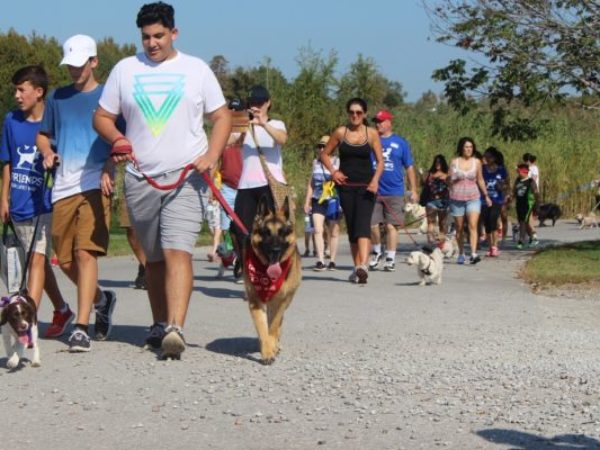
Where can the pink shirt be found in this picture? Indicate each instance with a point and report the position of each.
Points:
(464, 186)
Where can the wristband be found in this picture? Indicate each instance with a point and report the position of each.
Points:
(118, 138)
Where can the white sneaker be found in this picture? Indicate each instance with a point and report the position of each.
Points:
(375, 260)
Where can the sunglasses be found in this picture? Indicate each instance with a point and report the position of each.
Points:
(355, 112)
(320, 146)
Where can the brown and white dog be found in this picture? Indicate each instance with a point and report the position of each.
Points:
(19, 325)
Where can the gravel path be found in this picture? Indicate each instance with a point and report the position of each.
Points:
(477, 363)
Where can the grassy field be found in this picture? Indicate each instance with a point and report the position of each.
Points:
(575, 263)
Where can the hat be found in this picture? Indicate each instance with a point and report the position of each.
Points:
(383, 114)
(324, 140)
(235, 104)
(258, 94)
(77, 50)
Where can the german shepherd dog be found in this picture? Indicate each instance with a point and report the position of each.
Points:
(272, 273)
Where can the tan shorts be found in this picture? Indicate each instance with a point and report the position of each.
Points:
(80, 222)
(25, 230)
(124, 220)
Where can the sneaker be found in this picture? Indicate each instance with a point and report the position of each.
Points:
(375, 260)
(353, 278)
(460, 259)
(319, 267)
(140, 280)
(79, 341)
(173, 343)
(156, 335)
(475, 259)
(520, 245)
(331, 266)
(362, 274)
(389, 265)
(306, 254)
(533, 242)
(60, 322)
(104, 316)
(237, 268)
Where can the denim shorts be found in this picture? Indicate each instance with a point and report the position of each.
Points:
(459, 208)
(439, 204)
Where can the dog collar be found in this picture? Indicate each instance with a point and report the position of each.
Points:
(265, 286)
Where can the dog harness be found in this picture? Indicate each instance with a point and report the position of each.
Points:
(24, 338)
(426, 271)
(267, 280)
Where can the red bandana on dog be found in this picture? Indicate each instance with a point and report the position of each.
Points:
(266, 280)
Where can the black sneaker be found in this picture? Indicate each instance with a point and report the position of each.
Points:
(173, 343)
(375, 260)
(155, 337)
(319, 267)
(475, 259)
(361, 275)
(331, 266)
(79, 341)
(389, 265)
(140, 280)
(104, 316)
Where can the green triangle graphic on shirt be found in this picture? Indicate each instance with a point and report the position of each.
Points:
(157, 96)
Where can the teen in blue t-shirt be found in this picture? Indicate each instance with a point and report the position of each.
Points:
(25, 198)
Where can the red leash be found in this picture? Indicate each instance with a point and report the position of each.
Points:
(126, 150)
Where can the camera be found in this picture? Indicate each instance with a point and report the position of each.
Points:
(250, 116)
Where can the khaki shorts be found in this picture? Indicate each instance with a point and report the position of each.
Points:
(124, 220)
(80, 222)
(25, 229)
(382, 213)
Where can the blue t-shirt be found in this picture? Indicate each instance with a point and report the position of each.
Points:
(493, 182)
(396, 158)
(27, 196)
(68, 121)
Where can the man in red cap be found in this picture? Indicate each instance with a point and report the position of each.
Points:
(397, 159)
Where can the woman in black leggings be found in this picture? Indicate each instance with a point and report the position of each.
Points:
(357, 180)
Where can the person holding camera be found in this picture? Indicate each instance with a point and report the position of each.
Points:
(268, 134)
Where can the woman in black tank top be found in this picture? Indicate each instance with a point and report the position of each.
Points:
(357, 180)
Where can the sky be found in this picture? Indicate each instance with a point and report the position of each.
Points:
(395, 33)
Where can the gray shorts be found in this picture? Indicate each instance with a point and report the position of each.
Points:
(166, 219)
(382, 213)
(43, 236)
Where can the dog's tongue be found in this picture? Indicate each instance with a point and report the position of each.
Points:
(274, 271)
(24, 339)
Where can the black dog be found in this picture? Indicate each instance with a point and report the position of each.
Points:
(548, 211)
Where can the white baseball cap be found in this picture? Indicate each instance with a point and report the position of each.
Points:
(77, 50)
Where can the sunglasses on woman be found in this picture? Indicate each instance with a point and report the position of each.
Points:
(355, 112)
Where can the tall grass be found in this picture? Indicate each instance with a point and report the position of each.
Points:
(567, 150)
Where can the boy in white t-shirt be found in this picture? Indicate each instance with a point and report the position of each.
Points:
(163, 95)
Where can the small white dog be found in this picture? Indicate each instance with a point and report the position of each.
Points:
(429, 267)
(587, 221)
(449, 248)
(418, 212)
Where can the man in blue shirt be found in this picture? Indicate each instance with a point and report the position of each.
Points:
(397, 159)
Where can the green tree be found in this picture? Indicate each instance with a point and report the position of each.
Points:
(534, 52)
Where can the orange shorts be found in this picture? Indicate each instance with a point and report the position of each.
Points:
(80, 222)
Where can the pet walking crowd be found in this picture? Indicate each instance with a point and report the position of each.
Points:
(78, 134)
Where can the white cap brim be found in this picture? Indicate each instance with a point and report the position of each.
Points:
(75, 59)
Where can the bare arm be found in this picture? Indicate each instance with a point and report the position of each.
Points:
(481, 184)
(221, 119)
(105, 125)
(336, 175)
(376, 145)
(260, 119)
(4, 208)
(309, 193)
(412, 181)
(42, 142)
